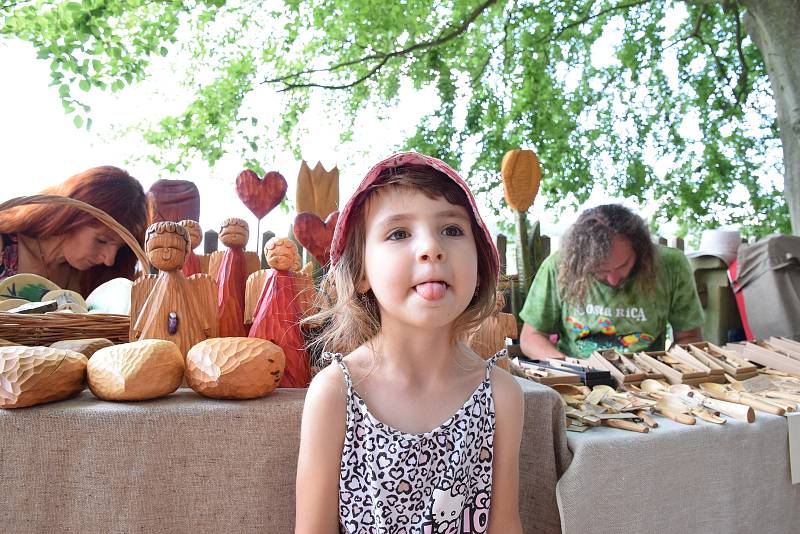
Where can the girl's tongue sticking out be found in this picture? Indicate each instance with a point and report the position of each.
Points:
(431, 290)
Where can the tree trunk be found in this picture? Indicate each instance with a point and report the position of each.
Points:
(774, 26)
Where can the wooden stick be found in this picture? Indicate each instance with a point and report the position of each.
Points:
(626, 425)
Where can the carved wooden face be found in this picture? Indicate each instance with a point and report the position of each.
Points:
(282, 254)
(234, 233)
(195, 232)
(167, 249)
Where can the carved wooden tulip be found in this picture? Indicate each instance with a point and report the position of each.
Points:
(234, 367)
(317, 190)
(140, 370)
(87, 347)
(35, 375)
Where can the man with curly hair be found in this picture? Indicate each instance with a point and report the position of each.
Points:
(610, 287)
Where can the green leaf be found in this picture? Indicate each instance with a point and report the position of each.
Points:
(77, 121)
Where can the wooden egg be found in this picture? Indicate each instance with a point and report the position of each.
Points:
(140, 370)
(87, 347)
(234, 367)
(35, 375)
(521, 175)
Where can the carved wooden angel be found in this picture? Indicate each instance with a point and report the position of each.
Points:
(277, 299)
(169, 305)
(490, 336)
(230, 270)
(192, 264)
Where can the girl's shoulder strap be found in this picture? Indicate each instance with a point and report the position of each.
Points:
(337, 357)
(491, 362)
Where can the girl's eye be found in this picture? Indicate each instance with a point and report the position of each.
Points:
(452, 231)
(397, 235)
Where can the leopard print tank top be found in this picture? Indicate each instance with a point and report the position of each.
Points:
(432, 483)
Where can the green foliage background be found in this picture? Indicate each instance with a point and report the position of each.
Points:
(680, 113)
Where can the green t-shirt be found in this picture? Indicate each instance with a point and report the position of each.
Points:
(623, 318)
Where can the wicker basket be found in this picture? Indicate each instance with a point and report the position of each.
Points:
(44, 329)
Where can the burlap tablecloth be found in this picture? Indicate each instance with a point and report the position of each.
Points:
(709, 479)
(185, 463)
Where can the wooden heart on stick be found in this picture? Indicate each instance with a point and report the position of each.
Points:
(315, 235)
(260, 195)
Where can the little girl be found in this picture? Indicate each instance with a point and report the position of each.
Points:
(410, 432)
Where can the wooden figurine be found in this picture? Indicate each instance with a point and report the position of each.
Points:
(230, 269)
(140, 370)
(192, 264)
(284, 297)
(234, 367)
(233, 228)
(35, 375)
(168, 305)
(490, 336)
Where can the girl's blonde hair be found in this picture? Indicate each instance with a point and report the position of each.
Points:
(349, 318)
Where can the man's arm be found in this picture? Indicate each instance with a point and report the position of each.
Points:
(536, 345)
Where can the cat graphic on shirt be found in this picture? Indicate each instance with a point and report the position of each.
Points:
(446, 509)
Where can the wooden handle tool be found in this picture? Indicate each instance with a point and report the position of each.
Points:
(649, 421)
(626, 425)
(731, 409)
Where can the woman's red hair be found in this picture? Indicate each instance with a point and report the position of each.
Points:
(108, 188)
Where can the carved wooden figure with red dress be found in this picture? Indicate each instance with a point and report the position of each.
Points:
(277, 299)
(192, 264)
(230, 269)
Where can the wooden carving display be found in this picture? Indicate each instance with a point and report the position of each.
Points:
(317, 190)
(168, 305)
(140, 370)
(230, 270)
(174, 200)
(316, 236)
(87, 347)
(490, 336)
(192, 263)
(281, 304)
(521, 175)
(35, 375)
(234, 367)
(260, 195)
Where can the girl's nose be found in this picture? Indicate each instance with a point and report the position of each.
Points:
(431, 251)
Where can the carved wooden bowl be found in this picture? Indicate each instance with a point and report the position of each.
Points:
(140, 370)
(35, 375)
(234, 367)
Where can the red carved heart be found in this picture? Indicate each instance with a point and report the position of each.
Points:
(260, 195)
(315, 235)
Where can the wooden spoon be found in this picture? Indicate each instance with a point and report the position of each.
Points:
(674, 409)
(727, 393)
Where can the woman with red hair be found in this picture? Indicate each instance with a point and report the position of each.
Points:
(70, 247)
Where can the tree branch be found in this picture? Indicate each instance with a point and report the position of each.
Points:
(382, 57)
(588, 16)
(741, 84)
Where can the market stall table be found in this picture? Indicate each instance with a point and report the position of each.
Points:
(185, 463)
(731, 478)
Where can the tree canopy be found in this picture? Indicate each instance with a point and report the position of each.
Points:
(662, 101)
